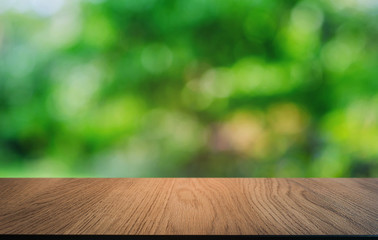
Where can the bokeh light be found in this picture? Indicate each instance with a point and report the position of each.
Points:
(248, 88)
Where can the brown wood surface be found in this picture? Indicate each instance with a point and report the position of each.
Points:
(189, 206)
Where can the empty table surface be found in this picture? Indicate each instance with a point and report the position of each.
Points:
(165, 206)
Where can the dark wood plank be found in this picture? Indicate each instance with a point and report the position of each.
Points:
(246, 206)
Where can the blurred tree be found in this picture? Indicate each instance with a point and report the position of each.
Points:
(188, 88)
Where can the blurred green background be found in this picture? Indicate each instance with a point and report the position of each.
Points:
(199, 88)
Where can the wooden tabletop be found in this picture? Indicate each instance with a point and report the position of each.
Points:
(227, 206)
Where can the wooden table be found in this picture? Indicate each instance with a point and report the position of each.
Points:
(226, 206)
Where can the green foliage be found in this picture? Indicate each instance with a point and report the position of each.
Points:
(215, 88)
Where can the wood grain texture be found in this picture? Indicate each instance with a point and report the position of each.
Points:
(247, 206)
